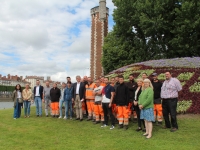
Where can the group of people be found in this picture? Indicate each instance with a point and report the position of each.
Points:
(147, 99)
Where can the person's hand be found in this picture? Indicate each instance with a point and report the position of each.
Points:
(140, 106)
(135, 103)
(110, 105)
(126, 107)
(43, 100)
(72, 100)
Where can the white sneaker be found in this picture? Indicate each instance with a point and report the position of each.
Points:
(59, 117)
(112, 127)
(14, 118)
(64, 117)
(103, 126)
(70, 118)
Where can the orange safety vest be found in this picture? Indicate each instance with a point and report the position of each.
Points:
(103, 84)
(89, 91)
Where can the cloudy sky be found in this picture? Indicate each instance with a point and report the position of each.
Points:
(46, 37)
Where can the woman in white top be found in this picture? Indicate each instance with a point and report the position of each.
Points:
(138, 90)
(18, 102)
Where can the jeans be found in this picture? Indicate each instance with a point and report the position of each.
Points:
(17, 110)
(169, 107)
(60, 106)
(38, 104)
(68, 105)
(27, 110)
(108, 110)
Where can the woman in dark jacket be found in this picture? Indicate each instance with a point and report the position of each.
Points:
(138, 90)
(55, 96)
(18, 102)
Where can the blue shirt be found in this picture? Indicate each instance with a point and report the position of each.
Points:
(107, 91)
(68, 95)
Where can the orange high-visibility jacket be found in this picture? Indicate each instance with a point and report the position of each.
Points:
(89, 91)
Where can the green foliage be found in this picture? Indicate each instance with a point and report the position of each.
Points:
(183, 83)
(185, 76)
(111, 75)
(195, 87)
(148, 72)
(161, 76)
(8, 88)
(146, 30)
(126, 74)
(183, 106)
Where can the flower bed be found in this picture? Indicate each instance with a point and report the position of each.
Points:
(187, 70)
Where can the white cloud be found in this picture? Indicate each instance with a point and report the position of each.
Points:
(49, 37)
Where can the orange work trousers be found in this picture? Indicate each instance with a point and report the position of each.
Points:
(123, 115)
(158, 112)
(98, 111)
(114, 110)
(55, 108)
(90, 108)
(129, 110)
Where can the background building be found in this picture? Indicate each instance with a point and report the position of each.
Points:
(99, 29)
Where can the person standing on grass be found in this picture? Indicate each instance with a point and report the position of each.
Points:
(55, 96)
(146, 106)
(84, 105)
(106, 102)
(62, 100)
(97, 105)
(79, 97)
(114, 106)
(38, 96)
(144, 76)
(138, 90)
(131, 86)
(169, 95)
(122, 102)
(68, 98)
(47, 98)
(157, 99)
(89, 96)
(18, 102)
(102, 81)
(27, 94)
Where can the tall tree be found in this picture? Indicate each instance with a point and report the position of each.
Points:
(152, 29)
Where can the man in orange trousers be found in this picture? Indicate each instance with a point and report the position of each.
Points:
(89, 96)
(122, 101)
(97, 105)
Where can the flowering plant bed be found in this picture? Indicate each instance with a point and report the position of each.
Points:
(187, 70)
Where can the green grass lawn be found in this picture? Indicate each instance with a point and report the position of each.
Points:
(51, 133)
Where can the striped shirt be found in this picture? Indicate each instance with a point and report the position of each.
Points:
(170, 88)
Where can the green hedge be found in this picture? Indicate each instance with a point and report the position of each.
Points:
(7, 88)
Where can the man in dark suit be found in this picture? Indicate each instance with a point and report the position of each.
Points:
(78, 97)
(38, 96)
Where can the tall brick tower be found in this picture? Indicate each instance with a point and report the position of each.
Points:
(99, 29)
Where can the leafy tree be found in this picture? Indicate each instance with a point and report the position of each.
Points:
(152, 29)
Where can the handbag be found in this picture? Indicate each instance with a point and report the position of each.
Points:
(20, 100)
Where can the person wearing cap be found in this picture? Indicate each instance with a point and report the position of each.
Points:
(157, 99)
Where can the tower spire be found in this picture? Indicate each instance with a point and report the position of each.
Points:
(102, 9)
